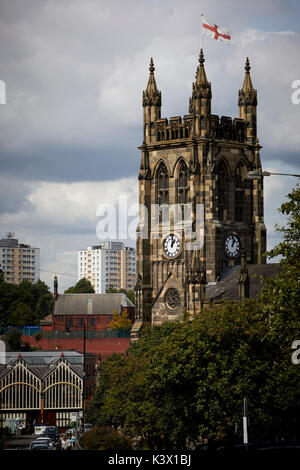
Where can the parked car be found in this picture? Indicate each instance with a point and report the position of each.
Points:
(45, 439)
(35, 445)
(87, 426)
(52, 432)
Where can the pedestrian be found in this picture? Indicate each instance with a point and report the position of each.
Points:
(73, 439)
(58, 445)
(64, 443)
(69, 443)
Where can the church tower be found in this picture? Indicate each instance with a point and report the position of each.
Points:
(198, 209)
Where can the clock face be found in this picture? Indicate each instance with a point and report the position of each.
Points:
(232, 246)
(171, 246)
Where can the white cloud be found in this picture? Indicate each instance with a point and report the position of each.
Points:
(61, 219)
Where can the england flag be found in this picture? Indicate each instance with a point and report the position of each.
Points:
(215, 31)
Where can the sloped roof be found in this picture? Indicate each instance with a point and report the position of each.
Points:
(228, 286)
(90, 304)
(40, 362)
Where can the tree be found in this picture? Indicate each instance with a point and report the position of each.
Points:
(120, 321)
(83, 286)
(21, 315)
(188, 379)
(101, 438)
(280, 295)
(14, 340)
(289, 248)
(25, 303)
(129, 293)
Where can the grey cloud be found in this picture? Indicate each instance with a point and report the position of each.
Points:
(13, 196)
(75, 71)
(62, 57)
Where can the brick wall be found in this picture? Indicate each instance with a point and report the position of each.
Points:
(103, 346)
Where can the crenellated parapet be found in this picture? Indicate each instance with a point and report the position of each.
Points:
(178, 128)
(174, 129)
(226, 128)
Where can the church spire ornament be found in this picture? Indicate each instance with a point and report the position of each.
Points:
(151, 105)
(200, 102)
(247, 104)
(151, 96)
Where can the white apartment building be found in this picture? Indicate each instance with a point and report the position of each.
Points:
(18, 261)
(110, 264)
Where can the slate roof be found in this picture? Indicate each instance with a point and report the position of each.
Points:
(39, 362)
(227, 288)
(42, 358)
(90, 304)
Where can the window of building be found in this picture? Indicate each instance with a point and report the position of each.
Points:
(222, 188)
(162, 177)
(182, 183)
(240, 186)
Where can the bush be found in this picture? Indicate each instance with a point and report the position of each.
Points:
(14, 340)
(100, 438)
(38, 335)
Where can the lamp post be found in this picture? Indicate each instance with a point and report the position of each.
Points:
(257, 174)
(245, 423)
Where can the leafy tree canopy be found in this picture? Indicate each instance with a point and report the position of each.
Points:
(189, 379)
(105, 439)
(24, 303)
(83, 286)
(120, 321)
(129, 292)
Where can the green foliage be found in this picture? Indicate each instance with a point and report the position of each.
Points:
(111, 290)
(189, 379)
(25, 303)
(83, 286)
(15, 343)
(289, 248)
(14, 340)
(105, 438)
(38, 335)
(129, 293)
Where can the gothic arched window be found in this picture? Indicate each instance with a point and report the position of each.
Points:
(222, 185)
(240, 186)
(182, 183)
(162, 184)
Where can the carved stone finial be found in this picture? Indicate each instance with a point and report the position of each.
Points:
(151, 66)
(201, 57)
(247, 65)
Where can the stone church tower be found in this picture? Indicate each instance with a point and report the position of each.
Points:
(199, 162)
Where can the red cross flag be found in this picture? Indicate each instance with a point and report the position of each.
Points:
(215, 32)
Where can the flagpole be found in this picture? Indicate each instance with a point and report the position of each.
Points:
(202, 31)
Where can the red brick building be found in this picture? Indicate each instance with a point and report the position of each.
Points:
(64, 329)
(95, 311)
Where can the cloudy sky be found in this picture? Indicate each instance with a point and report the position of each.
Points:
(74, 72)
